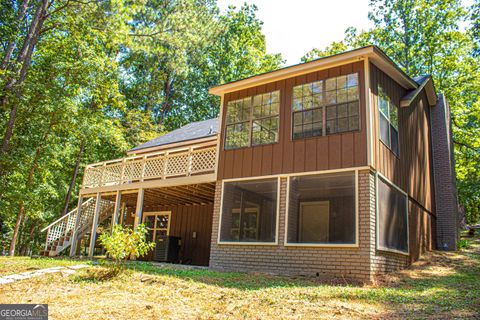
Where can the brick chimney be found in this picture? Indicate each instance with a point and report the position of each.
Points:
(446, 203)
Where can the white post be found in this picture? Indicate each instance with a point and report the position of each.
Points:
(139, 208)
(93, 234)
(73, 243)
(116, 211)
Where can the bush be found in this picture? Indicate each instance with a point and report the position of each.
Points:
(463, 244)
(125, 242)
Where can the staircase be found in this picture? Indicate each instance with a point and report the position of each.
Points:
(60, 232)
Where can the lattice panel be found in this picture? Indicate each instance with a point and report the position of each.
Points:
(154, 167)
(133, 170)
(112, 174)
(203, 160)
(177, 164)
(93, 177)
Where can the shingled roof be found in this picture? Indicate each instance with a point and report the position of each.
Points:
(191, 131)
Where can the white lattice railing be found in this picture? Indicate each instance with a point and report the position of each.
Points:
(159, 165)
(65, 225)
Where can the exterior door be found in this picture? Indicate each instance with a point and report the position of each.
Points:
(314, 221)
(157, 223)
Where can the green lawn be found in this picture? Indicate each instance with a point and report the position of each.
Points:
(446, 285)
(11, 265)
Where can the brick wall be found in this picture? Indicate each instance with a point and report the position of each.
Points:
(446, 205)
(353, 263)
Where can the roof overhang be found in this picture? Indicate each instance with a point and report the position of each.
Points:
(374, 54)
(429, 87)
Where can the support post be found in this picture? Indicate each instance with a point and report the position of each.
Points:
(116, 211)
(139, 208)
(73, 243)
(93, 234)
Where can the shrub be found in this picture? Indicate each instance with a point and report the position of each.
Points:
(463, 244)
(125, 242)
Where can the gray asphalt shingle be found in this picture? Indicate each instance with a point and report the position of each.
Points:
(191, 131)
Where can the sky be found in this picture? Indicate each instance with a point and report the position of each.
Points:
(294, 27)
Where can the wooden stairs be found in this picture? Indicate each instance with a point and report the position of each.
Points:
(60, 232)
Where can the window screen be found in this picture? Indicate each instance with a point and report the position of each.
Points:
(249, 211)
(392, 221)
(388, 118)
(326, 107)
(321, 209)
(252, 120)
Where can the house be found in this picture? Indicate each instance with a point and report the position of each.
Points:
(342, 166)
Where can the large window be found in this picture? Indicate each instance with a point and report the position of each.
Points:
(392, 221)
(252, 121)
(249, 211)
(388, 121)
(326, 107)
(321, 209)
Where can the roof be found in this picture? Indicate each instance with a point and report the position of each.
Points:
(424, 82)
(373, 53)
(191, 131)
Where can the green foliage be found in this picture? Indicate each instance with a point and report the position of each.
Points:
(109, 75)
(425, 37)
(123, 243)
(464, 244)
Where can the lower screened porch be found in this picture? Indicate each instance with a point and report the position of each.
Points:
(178, 220)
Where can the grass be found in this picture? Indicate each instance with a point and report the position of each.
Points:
(442, 285)
(11, 265)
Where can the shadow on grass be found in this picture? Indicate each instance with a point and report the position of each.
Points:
(440, 284)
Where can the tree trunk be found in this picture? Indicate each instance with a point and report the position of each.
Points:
(28, 184)
(11, 44)
(24, 58)
(11, 252)
(74, 178)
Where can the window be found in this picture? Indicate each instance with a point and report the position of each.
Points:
(326, 107)
(392, 224)
(388, 121)
(249, 211)
(322, 209)
(252, 121)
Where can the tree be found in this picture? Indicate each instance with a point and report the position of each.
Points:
(423, 37)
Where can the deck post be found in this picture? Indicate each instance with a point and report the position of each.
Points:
(139, 208)
(73, 243)
(93, 234)
(116, 211)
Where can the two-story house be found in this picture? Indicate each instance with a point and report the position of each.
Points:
(342, 166)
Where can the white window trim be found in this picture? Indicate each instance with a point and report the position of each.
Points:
(324, 245)
(378, 175)
(250, 243)
(380, 113)
(250, 121)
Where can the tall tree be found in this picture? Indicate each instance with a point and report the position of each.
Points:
(424, 37)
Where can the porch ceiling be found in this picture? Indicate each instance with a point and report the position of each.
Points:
(180, 195)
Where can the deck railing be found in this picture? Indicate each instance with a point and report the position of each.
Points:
(158, 165)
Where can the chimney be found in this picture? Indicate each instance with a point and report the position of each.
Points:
(446, 203)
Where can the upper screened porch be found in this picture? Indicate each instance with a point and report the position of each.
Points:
(183, 156)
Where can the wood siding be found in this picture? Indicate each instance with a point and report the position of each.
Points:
(411, 171)
(184, 221)
(334, 151)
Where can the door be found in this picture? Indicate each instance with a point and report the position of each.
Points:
(314, 221)
(157, 223)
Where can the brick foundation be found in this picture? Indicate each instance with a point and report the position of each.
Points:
(360, 263)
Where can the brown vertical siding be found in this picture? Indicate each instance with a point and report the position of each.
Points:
(184, 221)
(288, 156)
(411, 171)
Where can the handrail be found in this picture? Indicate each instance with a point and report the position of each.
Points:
(157, 165)
(140, 156)
(64, 216)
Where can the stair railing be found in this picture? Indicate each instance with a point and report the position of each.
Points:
(63, 225)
